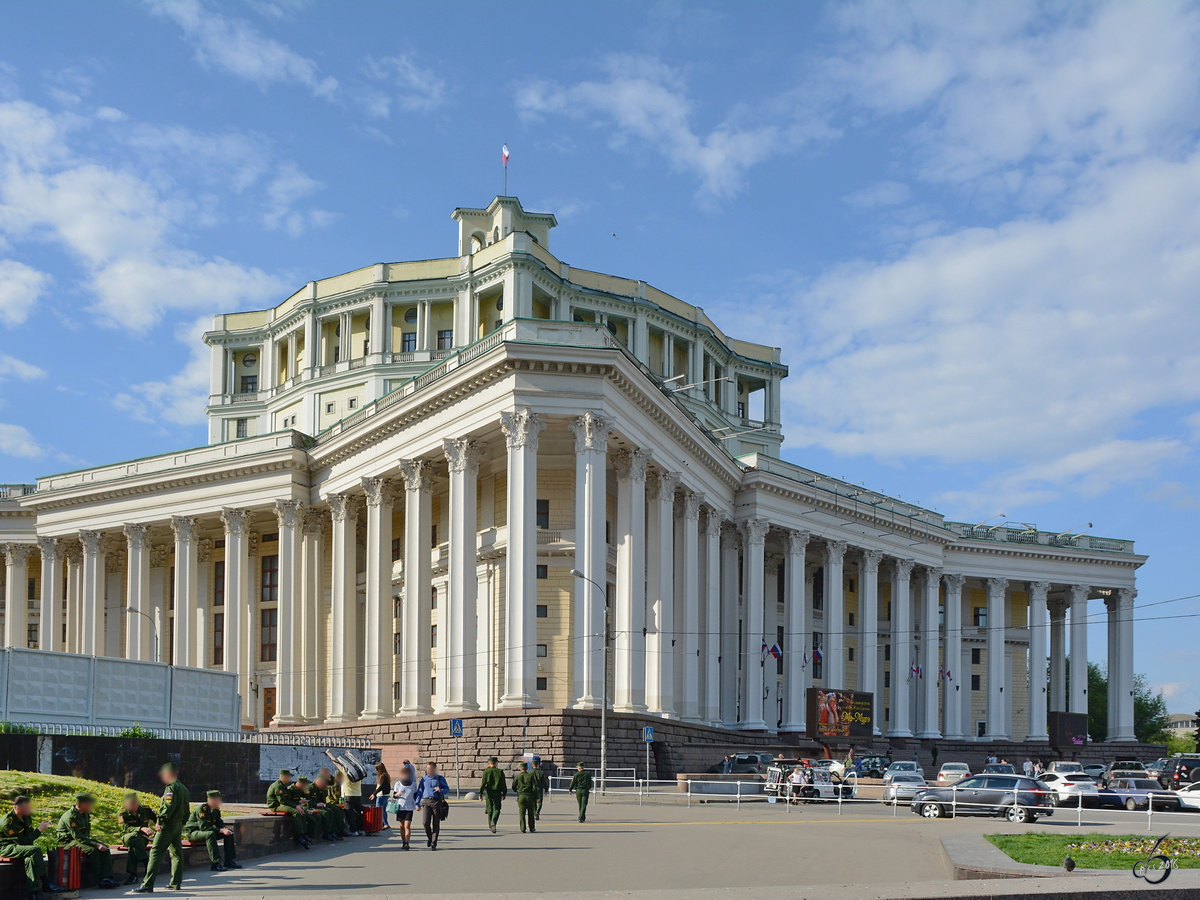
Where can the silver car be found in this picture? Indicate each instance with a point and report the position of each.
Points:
(903, 787)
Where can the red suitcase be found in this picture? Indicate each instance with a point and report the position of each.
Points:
(66, 868)
(373, 819)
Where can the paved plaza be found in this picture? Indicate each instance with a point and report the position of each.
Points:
(659, 850)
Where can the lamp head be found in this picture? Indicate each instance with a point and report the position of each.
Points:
(130, 609)
(576, 573)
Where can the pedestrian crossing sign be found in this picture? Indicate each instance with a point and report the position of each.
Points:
(456, 728)
(648, 734)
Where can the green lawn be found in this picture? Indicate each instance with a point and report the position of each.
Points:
(1094, 851)
(52, 795)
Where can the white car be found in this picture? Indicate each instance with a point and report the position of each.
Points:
(1069, 788)
(952, 772)
(1062, 767)
(902, 767)
(1189, 796)
(830, 765)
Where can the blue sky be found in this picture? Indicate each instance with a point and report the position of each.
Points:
(974, 229)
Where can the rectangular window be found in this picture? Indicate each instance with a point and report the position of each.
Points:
(269, 583)
(241, 428)
(887, 678)
(979, 616)
(397, 608)
(171, 641)
(887, 714)
(941, 615)
(433, 597)
(269, 638)
(887, 652)
(976, 656)
(219, 583)
(268, 705)
(850, 654)
(171, 588)
(395, 692)
(433, 537)
(779, 643)
(249, 384)
(218, 656)
(741, 409)
(818, 664)
(541, 684)
(888, 610)
(408, 342)
(980, 728)
(395, 549)
(543, 611)
(850, 618)
(541, 650)
(608, 532)
(543, 514)
(433, 686)
(975, 683)
(270, 537)
(397, 644)
(31, 637)
(445, 339)
(819, 589)
(32, 589)
(329, 407)
(432, 635)
(352, 403)
(850, 588)
(543, 571)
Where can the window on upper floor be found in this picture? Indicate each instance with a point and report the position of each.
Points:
(269, 579)
(241, 428)
(543, 514)
(887, 678)
(352, 403)
(268, 639)
(31, 589)
(433, 636)
(979, 616)
(31, 636)
(218, 654)
(408, 342)
(433, 597)
(410, 315)
(395, 549)
(975, 682)
(329, 408)
(219, 583)
(542, 611)
(542, 572)
(818, 593)
(976, 656)
(445, 338)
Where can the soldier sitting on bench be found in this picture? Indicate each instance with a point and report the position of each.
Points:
(206, 826)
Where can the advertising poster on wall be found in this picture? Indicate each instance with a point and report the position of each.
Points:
(839, 714)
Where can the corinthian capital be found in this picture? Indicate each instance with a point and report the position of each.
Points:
(692, 501)
(869, 563)
(91, 542)
(1038, 590)
(184, 528)
(378, 491)
(904, 568)
(342, 506)
(954, 584)
(16, 554)
(235, 520)
(463, 454)
(521, 428)
(835, 551)
(417, 474)
(137, 536)
(754, 531)
(288, 512)
(661, 485)
(631, 465)
(591, 432)
(49, 548)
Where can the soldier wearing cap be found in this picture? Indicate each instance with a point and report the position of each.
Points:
(168, 837)
(320, 797)
(493, 789)
(17, 836)
(543, 782)
(205, 824)
(137, 830)
(318, 819)
(284, 796)
(581, 786)
(75, 830)
(526, 788)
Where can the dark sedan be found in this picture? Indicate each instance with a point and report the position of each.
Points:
(1019, 799)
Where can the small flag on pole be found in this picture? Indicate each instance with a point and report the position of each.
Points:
(949, 677)
(816, 655)
(504, 154)
(775, 651)
(504, 163)
(912, 671)
(765, 650)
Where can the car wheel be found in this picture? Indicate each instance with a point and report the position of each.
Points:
(1131, 805)
(1018, 815)
(931, 811)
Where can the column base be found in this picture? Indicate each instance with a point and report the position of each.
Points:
(461, 707)
(286, 720)
(631, 708)
(666, 715)
(415, 711)
(525, 701)
(929, 735)
(900, 733)
(753, 725)
(368, 714)
(793, 728)
(586, 703)
(961, 737)
(1122, 739)
(1037, 737)
(996, 737)
(340, 720)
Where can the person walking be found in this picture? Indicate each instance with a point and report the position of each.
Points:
(168, 838)
(525, 785)
(727, 765)
(383, 790)
(75, 830)
(137, 831)
(432, 791)
(543, 783)
(493, 789)
(17, 837)
(581, 786)
(934, 753)
(404, 795)
(205, 826)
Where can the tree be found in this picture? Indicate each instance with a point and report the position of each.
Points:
(1149, 709)
(1097, 696)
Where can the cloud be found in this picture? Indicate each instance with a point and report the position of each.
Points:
(20, 288)
(181, 398)
(16, 440)
(413, 88)
(11, 367)
(882, 193)
(287, 187)
(240, 49)
(1172, 689)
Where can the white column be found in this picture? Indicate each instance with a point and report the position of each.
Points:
(156, 602)
(16, 561)
(343, 618)
(289, 513)
(462, 636)
(796, 638)
(185, 588)
(689, 580)
(1058, 654)
(378, 327)
(377, 649)
(312, 620)
(138, 644)
(902, 648)
(868, 632)
(997, 592)
(955, 678)
(1123, 730)
(74, 604)
(521, 431)
(730, 651)
(416, 688)
(835, 616)
(1078, 594)
(51, 620)
(1038, 684)
(710, 535)
(91, 620)
(202, 617)
(660, 582)
(930, 591)
(591, 432)
(754, 535)
(237, 603)
(629, 620)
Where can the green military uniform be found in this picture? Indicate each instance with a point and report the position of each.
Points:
(137, 844)
(205, 824)
(581, 785)
(543, 781)
(17, 835)
(493, 789)
(334, 815)
(75, 830)
(172, 816)
(286, 798)
(525, 784)
(319, 823)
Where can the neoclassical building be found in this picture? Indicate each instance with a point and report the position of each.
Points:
(407, 461)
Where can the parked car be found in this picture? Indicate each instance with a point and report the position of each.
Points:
(1137, 793)
(1069, 788)
(1180, 770)
(1189, 797)
(1155, 769)
(746, 763)
(1094, 771)
(874, 766)
(953, 771)
(833, 765)
(1018, 798)
(1124, 768)
(999, 769)
(1060, 765)
(902, 787)
(902, 767)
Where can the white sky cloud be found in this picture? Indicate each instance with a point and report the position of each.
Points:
(181, 398)
(11, 367)
(20, 288)
(15, 440)
(409, 86)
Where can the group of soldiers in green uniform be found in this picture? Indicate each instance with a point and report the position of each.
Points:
(531, 787)
(311, 804)
(148, 836)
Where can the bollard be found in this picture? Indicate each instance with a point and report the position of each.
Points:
(689, 785)
(739, 795)
(1079, 813)
(1149, 813)
(895, 803)
(839, 798)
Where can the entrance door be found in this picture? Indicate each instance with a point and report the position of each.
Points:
(268, 705)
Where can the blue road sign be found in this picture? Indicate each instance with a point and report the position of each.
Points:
(456, 728)
(648, 734)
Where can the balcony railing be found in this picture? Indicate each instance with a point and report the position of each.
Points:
(14, 491)
(1031, 535)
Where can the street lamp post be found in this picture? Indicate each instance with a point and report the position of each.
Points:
(604, 682)
(153, 625)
